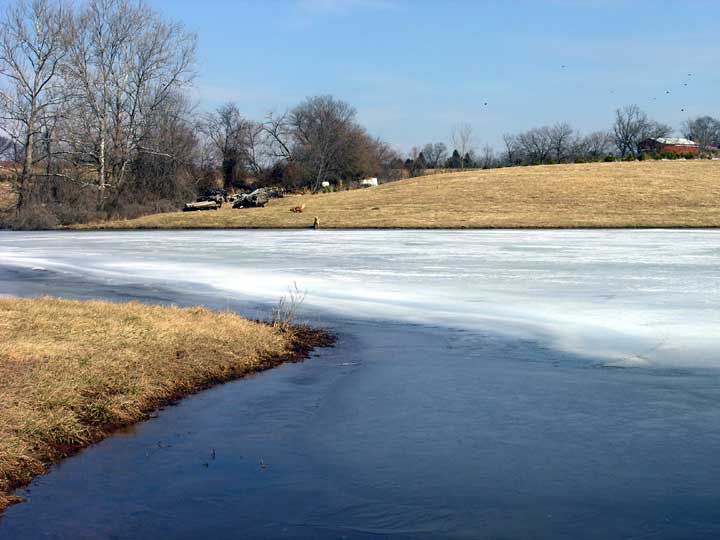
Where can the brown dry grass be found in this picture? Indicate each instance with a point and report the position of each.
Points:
(72, 371)
(635, 194)
(7, 197)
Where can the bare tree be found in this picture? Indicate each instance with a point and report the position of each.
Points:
(512, 149)
(279, 135)
(33, 44)
(487, 158)
(704, 130)
(462, 140)
(225, 129)
(124, 63)
(632, 126)
(166, 173)
(434, 154)
(628, 128)
(557, 143)
(381, 159)
(8, 149)
(535, 145)
(323, 129)
(256, 154)
(594, 146)
(317, 141)
(561, 138)
(49, 126)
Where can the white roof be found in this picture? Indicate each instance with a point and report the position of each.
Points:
(676, 140)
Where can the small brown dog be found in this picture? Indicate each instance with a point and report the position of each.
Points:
(298, 209)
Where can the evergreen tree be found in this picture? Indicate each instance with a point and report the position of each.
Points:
(420, 162)
(468, 161)
(455, 161)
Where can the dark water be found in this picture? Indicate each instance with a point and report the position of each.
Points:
(400, 431)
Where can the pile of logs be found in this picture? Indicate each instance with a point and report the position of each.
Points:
(257, 199)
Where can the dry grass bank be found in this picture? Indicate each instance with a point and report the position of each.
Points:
(71, 371)
(635, 194)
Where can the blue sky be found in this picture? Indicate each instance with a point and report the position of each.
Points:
(413, 69)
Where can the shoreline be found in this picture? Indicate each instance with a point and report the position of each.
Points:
(84, 229)
(297, 343)
(429, 228)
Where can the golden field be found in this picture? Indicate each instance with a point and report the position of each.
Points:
(72, 371)
(625, 194)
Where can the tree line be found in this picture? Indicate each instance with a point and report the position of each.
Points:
(561, 143)
(318, 141)
(97, 122)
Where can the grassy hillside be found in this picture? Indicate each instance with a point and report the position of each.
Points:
(634, 194)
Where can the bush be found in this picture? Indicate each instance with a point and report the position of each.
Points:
(33, 218)
(68, 215)
(610, 158)
(284, 314)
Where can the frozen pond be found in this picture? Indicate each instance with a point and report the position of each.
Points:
(632, 298)
(473, 392)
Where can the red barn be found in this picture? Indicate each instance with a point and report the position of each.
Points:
(665, 145)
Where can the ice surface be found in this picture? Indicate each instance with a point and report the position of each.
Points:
(633, 298)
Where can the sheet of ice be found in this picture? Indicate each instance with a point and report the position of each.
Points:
(630, 297)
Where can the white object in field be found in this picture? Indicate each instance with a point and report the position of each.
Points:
(369, 182)
(325, 184)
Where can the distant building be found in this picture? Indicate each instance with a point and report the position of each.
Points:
(665, 145)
